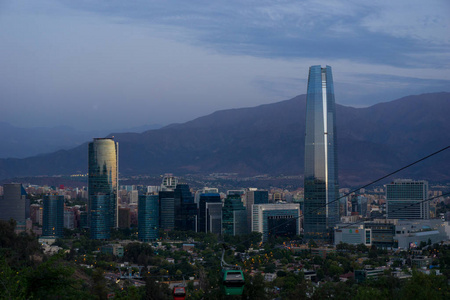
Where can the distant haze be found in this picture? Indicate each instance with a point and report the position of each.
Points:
(101, 65)
(269, 139)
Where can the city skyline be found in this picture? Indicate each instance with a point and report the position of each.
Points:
(134, 63)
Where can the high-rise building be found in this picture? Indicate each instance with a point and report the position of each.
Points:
(148, 218)
(405, 199)
(254, 196)
(359, 205)
(185, 208)
(203, 211)
(125, 217)
(103, 185)
(214, 217)
(234, 215)
(14, 203)
(69, 218)
(169, 182)
(53, 217)
(321, 173)
(166, 210)
(280, 219)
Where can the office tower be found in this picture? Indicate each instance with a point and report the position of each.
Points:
(343, 207)
(203, 210)
(214, 217)
(124, 217)
(103, 184)
(53, 218)
(321, 173)
(240, 193)
(169, 182)
(405, 199)
(253, 196)
(359, 205)
(280, 219)
(166, 210)
(204, 190)
(185, 208)
(14, 203)
(234, 215)
(69, 219)
(148, 218)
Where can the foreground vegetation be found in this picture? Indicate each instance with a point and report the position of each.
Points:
(27, 273)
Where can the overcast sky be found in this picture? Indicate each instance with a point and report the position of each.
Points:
(112, 64)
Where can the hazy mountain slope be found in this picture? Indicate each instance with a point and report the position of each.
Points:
(270, 139)
(17, 142)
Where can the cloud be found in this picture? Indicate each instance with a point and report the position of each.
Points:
(374, 32)
(141, 62)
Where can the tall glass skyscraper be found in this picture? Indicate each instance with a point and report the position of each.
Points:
(148, 217)
(234, 216)
(53, 218)
(203, 209)
(103, 183)
(185, 208)
(321, 211)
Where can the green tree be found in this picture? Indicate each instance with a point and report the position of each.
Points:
(422, 286)
(99, 288)
(255, 288)
(156, 291)
(12, 283)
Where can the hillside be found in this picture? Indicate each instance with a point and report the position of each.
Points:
(269, 139)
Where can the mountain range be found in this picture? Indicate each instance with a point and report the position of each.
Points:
(19, 142)
(269, 139)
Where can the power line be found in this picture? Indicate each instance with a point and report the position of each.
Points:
(381, 178)
(364, 186)
(406, 206)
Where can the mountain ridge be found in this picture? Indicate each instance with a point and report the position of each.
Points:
(269, 139)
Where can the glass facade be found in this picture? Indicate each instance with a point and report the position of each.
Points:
(167, 210)
(53, 217)
(405, 199)
(321, 174)
(254, 197)
(276, 220)
(185, 208)
(148, 217)
(214, 217)
(99, 221)
(103, 183)
(234, 216)
(203, 213)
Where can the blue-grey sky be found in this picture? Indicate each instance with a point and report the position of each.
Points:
(110, 64)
